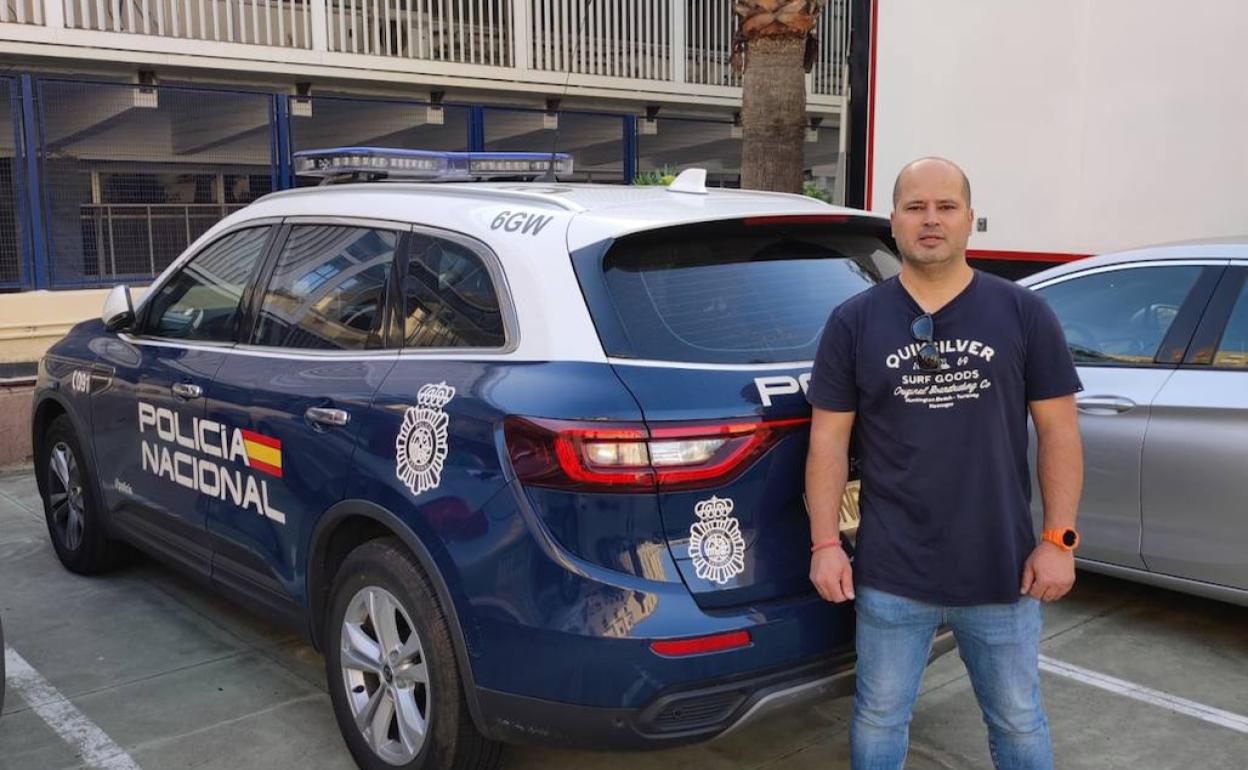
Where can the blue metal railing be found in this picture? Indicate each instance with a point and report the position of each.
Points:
(111, 181)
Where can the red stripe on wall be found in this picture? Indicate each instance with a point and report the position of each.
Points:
(1024, 256)
(875, 29)
(268, 441)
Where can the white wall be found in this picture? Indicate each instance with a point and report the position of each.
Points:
(1085, 125)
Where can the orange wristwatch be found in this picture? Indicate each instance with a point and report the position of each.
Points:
(1066, 538)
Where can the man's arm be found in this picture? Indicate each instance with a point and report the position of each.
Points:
(1050, 572)
(827, 472)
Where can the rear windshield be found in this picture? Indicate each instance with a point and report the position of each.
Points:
(728, 292)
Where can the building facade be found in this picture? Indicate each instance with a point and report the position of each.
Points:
(134, 126)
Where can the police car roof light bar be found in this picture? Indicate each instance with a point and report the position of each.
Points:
(376, 163)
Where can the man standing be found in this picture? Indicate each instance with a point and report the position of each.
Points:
(933, 373)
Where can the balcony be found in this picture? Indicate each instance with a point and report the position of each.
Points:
(672, 51)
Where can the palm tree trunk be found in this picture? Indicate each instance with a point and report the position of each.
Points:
(773, 115)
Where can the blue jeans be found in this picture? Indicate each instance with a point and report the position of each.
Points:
(1000, 645)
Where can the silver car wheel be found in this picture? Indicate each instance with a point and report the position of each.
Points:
(65, 496)
(385, 676)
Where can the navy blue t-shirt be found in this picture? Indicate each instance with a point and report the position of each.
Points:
(946, 488)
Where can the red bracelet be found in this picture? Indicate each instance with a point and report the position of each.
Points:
(826, 544)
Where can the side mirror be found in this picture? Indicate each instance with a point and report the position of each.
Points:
(118, 309)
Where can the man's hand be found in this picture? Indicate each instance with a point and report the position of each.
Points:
(1048, 574)
(832, 574)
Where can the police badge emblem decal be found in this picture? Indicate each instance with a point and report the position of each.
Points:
(715, 542)
(420, 449)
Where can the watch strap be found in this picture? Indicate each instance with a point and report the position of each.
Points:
(1066, 538)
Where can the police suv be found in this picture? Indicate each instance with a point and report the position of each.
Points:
(525, 460)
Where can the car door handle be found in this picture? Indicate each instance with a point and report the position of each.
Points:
(323, 416)
(187, 390)
(1115, 404)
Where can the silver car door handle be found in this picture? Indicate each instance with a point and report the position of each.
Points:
(1104, 404)
(324, 416)
(187, 390)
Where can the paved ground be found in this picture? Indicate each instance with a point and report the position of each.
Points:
(177, 678)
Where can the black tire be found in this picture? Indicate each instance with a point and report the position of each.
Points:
(384, 570)
(84, 549)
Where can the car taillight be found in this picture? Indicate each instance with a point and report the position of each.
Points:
(690, 456)
(629, 457)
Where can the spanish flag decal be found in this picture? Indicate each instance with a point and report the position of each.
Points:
(264, 453)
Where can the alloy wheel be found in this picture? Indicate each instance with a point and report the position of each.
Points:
(65, 496)
(385, 675)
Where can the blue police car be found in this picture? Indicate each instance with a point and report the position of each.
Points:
(525, 460)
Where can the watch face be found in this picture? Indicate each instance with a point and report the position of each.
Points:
(1069, 538)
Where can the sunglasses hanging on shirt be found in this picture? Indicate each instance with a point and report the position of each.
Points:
(923, 329)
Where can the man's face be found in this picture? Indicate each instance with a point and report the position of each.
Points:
(931, 218)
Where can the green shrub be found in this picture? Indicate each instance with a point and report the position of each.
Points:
(664, 177)
(813, 190)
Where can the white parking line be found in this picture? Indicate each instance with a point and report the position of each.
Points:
(1173, 703)
(91, 743)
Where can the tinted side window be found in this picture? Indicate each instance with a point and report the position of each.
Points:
(1233, 349)
(201, 301)
(327, 289)
(449, 298)
(1120, 316)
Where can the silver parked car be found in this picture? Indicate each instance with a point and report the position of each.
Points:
(1160, 338)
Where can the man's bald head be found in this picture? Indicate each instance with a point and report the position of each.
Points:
(932, 213)
(909, 167)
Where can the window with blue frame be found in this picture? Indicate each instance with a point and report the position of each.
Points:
(11, 251)
(594, 140)
(130, 182)
(340, 121)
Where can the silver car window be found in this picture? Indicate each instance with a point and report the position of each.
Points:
(1233, 349)
(1120, 316)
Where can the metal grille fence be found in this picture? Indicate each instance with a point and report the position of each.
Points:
(330, 121)
(128, 176)
(616, 38)
(708, 41)
(142, 240)
(595, 140)
(131, 176)
(275, 23)
(21, 11)
(831, 71)
(12, 253)
(465, 31)
(681, 143)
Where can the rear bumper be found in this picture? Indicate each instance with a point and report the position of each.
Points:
(835, 686)
(675, 717)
